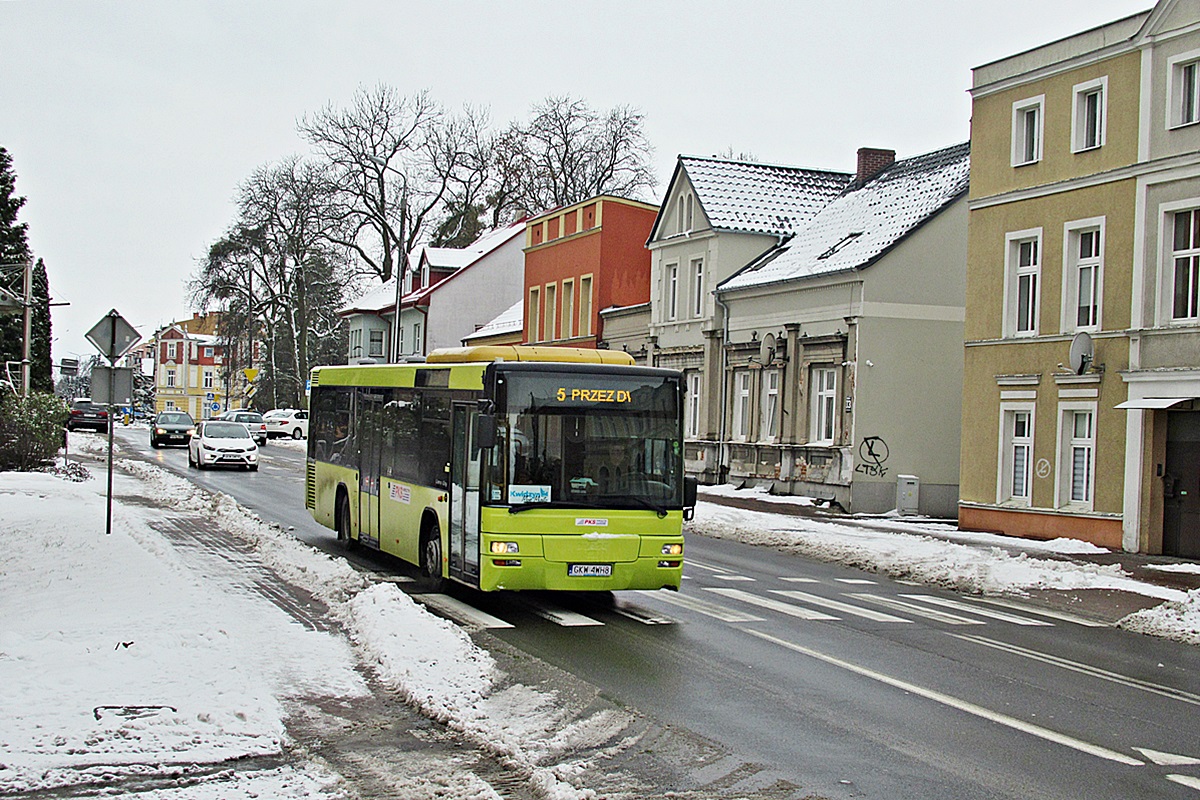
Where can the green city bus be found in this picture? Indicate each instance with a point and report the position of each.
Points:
(506, 467)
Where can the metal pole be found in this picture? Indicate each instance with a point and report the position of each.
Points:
(26, 362)
(111, 389)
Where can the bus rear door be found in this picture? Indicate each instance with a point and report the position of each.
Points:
(464, 497)
(370, 440)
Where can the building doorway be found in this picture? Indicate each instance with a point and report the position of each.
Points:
(1181, 485)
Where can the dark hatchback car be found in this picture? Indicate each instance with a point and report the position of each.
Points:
(86, 414)
(172, 427)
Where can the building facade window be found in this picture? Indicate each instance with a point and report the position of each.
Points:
(417, 338)
(568, 309)
(1083, 275)
(208, 352)
(551, 332)
(1023, 272)
(694, 387)
(770, 406)
(1077, 456)
(585, 305)
(535, 316)
(1088, 124)
(1027, 125)
(170, 376)
(1183, 86)
(1185, 260)
(209, 379)
(823, 404)
(697, 287)
(1016, 455)
(376, 344)
(172, 351)
(741, 405)
(672, 290)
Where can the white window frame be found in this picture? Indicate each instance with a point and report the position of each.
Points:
(1013, 274)
(1167, 265)
(535, 313)
(375, 346)
(691, 212)
(568, 308)
(1079, 119)
(172, 351)
(672, 288)
(171, 377)
(417, 338)
(769, 419)
(585, 305)
(209, 379)
(822, 404)
(1010, 445)
(741, 404)
(1183, 89)
(1023, 152)
(1073, 264)
(1069, 444)
(695, 384)
(208, 352)
(698, 287)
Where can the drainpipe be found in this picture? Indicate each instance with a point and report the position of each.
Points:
(722, 466)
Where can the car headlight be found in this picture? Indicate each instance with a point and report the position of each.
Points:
(159, 431)
(503, 548)
(209, 448)
(675, 549)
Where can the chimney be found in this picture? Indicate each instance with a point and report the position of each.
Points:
(872, 161)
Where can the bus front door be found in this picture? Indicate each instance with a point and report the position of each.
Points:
(464, 497)
(370, 419)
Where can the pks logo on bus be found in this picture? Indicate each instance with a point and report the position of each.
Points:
(400, 493)
(590, 522)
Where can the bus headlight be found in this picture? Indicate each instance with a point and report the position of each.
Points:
(675, 549)
(504, 548)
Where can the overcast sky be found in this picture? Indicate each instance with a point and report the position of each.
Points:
(132, 123)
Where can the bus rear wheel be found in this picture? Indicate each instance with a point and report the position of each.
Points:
(431, 557)
(342, 522)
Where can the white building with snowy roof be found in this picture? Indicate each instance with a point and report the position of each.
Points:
(819, 319)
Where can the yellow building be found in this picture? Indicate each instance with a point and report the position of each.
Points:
(1082, 356)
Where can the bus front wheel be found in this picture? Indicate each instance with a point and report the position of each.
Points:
(431, 557)
(343, 523)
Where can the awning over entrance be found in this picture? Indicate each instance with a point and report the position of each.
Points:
(1154, 402)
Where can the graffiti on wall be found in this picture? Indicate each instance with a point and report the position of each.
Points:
(872, 454)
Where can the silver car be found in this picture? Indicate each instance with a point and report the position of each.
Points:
(219, 443)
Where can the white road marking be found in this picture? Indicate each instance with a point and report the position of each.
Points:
(694, 563)
(856, 581)
(773, 605)
(455, 608)
(983, 612)
(1167, 759)
(1085, 669)
(961, 705)
(735, 578)
(837, 605)
(1185, 780)
(642, 615)
(560, 616)
(912, 608)
(800, 580)
(702, 606)
(1042, 612)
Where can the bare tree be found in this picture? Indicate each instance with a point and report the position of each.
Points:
(395, 161)
(569, 152)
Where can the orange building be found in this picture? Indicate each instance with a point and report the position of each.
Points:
(580, 260)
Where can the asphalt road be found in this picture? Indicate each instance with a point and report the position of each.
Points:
(823, 680)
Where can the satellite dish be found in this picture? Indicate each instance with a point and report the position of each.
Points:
(1081, 353)
(766, 350)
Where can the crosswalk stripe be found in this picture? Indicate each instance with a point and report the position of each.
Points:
(691, 562)
(910, 608)
(735, 578)
(567, 619)
(456, 609)
(856, 581)
(702, 606)
(983, 612)
(1043, 612)
(837, 605)
(642, 615)
(773, 605)
(800, 580)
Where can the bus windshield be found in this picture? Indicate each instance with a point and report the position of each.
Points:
(588, 440)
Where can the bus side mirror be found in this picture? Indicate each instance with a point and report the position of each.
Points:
(689, 497)
(485, 431)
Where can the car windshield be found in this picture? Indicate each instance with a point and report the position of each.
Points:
(174, 419)
(589, 440)
(225, 430)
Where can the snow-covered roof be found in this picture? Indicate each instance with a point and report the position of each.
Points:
(510, 321)
(383, 297)
(863, 223)
(760, 198)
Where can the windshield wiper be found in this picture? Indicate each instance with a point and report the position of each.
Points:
(516, 509)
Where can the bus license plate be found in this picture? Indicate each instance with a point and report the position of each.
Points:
(589, 570)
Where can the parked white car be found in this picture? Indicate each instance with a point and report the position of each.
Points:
(291, 422)
(222, 443)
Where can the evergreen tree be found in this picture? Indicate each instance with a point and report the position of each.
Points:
(14, 250)
(41, 379)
